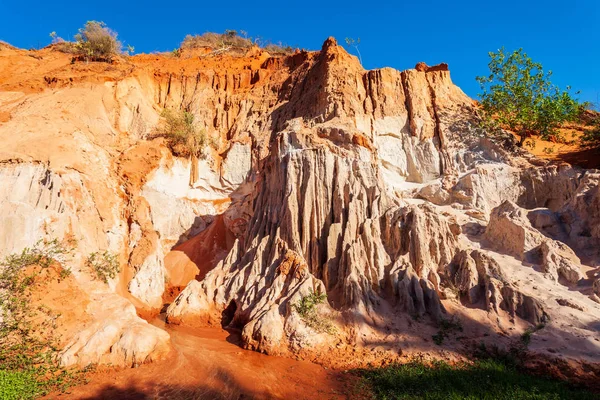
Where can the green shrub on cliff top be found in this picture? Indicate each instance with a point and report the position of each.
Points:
(97, 42)
(231, 40)
(518, 95)
(94, 42)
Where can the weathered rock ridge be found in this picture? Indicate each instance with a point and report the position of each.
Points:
(373, 187)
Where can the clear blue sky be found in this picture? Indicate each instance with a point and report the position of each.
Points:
(563, 35)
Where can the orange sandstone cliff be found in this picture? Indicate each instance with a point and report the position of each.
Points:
(376, 188)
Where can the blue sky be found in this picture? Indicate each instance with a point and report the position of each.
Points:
(563, 35)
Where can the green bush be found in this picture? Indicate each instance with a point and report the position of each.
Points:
(482, 379)
(278, 49)
(44, 253)
(184, 138)
(19, 385)
(518, 95)
(97, 42)
(591, 136)
(307, 310)
(18, 347)
(105, 264)
(94, 42)
(62, 45)
(28, 366)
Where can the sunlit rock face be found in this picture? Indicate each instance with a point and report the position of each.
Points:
(375, 188)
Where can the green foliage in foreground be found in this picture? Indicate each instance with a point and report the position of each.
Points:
(28, 366)
(19, 385)
(484, 379)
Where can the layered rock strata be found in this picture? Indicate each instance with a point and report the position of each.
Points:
(375, 188)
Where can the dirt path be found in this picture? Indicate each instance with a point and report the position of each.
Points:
(208, 364)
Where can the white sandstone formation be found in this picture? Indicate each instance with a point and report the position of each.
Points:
(376, 188)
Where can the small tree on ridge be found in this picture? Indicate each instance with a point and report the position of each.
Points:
(518, 95)
(97, 42)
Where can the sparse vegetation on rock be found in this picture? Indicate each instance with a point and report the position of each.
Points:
(62, 45)
(184, 137)
(591, 136)
(231, 41)
(105, 265)
(223, 41)
(28, 366)
(351, 42)
(518, 95)
(307, 309)
(447, 328)
(526, 336)
(278, 49)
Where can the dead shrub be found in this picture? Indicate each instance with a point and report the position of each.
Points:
(228, 40)
(94, 42)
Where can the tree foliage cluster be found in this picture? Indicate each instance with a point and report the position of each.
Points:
(518, 95)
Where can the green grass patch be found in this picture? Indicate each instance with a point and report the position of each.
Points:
(483, 379)
(19, 385)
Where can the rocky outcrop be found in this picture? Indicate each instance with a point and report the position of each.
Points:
(322, 196)
(323, 222)
(115, 336)
(596, 287)
(510, 230)
(580, 216)
(36, 201)
(479, 280)
(44, 204)
(524, 306)
(372, 187)
(486, 185)
(559, 260)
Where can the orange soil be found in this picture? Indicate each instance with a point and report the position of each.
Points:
(58, 304)
(570, 151)
(207, 363)
(31, 71)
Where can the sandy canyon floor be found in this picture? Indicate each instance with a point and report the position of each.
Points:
(208, 363)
